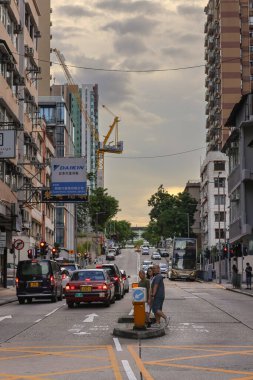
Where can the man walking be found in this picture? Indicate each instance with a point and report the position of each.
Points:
(157, 296)
(248, 271)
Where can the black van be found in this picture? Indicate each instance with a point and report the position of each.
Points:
(38, 279)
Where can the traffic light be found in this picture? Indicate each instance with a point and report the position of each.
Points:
(54, 251)
(42, 248)
(30, 253)
(238, 250)
(231, 251)
(225, 250)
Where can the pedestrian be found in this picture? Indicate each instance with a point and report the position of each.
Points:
(145, 283)
(248, 271)
(234, 275)
(157, 297)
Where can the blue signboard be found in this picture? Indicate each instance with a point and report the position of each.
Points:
(68, 176)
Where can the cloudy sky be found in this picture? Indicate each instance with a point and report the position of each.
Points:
(157, 88)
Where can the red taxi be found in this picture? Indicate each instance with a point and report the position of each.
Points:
(89, 285)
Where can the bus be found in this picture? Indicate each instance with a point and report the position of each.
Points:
(183, 264)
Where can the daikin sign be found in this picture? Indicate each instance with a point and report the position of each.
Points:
(68, 176)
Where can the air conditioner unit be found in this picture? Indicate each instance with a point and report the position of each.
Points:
(10, 66)
(26, 50)
(18, 29)
(18, 170)
(30, 99)
(33, 159)
(31, 51)
(234, 145)
(19, 81)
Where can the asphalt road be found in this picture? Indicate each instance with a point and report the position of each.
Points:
(210, 336)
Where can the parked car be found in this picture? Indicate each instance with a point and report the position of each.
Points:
(164, 269)
(66, 275)
(125, 280)
(38, 279)
(11, 270)
(90, 285)
(164, 253)
(116, 278)
(156, 256)
(111, 254)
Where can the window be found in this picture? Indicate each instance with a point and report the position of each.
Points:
(219, 233)
(222, 216)
(219, 199)
(219, 182)
(219, 165)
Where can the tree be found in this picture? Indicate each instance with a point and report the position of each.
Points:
(100, 208)
(151, 234)
(171, 215)
(120, 231)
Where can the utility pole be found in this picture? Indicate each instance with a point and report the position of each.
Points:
(219, 250)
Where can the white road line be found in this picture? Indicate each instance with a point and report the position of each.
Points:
(131, 312)
(117, 344)
(38, 320)
(52, 312)
(128, 370)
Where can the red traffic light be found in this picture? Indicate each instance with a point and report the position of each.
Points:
(30, 253)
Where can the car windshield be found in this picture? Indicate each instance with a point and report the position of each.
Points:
(70, 267)
(163, 265)
(91, 275)
(34, 268)
(147, 262)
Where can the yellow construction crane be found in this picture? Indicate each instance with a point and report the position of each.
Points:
(114, 146)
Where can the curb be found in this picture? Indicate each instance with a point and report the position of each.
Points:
(239, 291)
(135, 334)
(4, 302)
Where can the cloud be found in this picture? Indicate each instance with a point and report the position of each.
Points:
(189, 11)
(137, 25)
(130, 46)
(75, 11)
(128, 6)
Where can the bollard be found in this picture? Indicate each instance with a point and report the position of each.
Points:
(139, 296)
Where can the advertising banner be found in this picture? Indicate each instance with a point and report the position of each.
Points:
(68, 176)
(7, 143)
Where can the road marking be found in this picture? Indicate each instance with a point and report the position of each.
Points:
(117, 344)
(131, 312)
(114, 363)
(128, 370)
(38, 320)
(52, 312)
(140, 364)
(82, 333)
(5, 317)
(90, 318)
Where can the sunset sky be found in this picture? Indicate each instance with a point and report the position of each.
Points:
(150, 56)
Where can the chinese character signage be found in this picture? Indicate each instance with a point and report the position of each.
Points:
(7, 143)
(68, 176)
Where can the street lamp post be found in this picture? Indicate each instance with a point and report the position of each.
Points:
(219, 250)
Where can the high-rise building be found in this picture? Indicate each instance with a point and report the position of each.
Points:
(228, 39)
(25, 170)
(89, 133)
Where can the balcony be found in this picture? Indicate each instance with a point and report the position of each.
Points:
(207, 95)
(207, 109)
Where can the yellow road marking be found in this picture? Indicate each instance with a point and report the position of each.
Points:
(140, 364)
(114, 362)
(42, 375)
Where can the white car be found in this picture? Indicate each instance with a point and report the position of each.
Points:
(145, 250)
(65, 275)
(125, 279)
(164, 269)
(156, 256)
(111, 254)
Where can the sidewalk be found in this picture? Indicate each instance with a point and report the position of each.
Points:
(228, 286)
(7, 295)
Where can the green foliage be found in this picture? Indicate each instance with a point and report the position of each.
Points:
(151, 234)
(100, 208)
(120, 231)
(171, 215)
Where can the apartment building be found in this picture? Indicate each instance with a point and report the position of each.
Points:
(25, 169)
(228, 69)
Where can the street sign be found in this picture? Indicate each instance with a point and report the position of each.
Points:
(18, 244)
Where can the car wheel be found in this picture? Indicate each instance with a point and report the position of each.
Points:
(108, 302)
(54, 298)
(70, 305)
(113, 299)
(21, 301)
(29, 300)
(118, 296)
(60, 296)
(127, 291)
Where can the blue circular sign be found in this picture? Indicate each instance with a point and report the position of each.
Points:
(138, 295)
